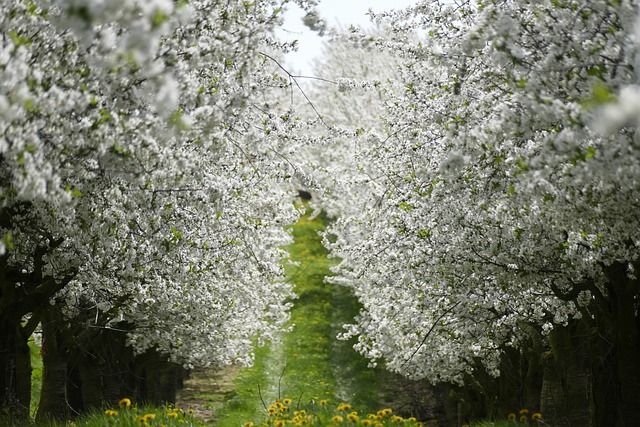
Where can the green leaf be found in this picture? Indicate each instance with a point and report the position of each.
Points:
(8, 241)
(602, 94)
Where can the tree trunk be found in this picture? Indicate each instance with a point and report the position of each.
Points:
(15, 362)
(23, 370)
(53, 403)
(566, 388)
(159, 378)
(624, 294)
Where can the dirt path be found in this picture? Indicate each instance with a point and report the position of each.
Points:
(206, 390)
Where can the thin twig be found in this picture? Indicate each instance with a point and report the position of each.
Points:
(429, 332)
(294, 79)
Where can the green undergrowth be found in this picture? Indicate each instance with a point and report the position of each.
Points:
(309, 364)
(127, 414)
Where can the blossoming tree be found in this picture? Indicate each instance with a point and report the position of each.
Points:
(506, 211)
(138, 190)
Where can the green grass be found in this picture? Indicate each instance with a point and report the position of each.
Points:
(130, 416)
(36, 376)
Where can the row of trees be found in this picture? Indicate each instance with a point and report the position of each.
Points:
(141, 194)
(488, 207)
(480, 157)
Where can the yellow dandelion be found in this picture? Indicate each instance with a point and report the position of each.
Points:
(524, 419)
(124, 403)
(353, 417)
(111, 413)
(419, 424)
(323, 402)
(366, 422)
(377, 424)
(511, 417)
(173, 414)
(536, 416)
(523, 411)
(148, 417)
(344, 407)
(337, 419)
(387, 411)
(279, 423)
(411, 420)
(286, 401)
(396, 419)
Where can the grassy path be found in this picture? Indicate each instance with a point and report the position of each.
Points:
(309, 364)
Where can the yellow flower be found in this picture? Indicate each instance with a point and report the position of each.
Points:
(523, 419)
(523, 411)
(111, 413)
(337, 419)
(323, 402)
(148, 417)
(536, 417)
(396, 419)
(279, 423)
(124, 403)
(366, 422)
(248, 424)
(286, 401)
(411, 419)
(511, 417)
(353, 417)
(419, 424)
(174, 414)
(344, 407)
(385, 412)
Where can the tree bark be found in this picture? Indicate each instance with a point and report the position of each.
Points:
(15, 362)
(53, 403)
(624, 294)
(566, 388)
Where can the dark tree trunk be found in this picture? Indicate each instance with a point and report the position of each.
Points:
(15, 378)
(159, 379)
(566, 389)
(53, 403)
(531, 369)
(23, 369)
(624, 295)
